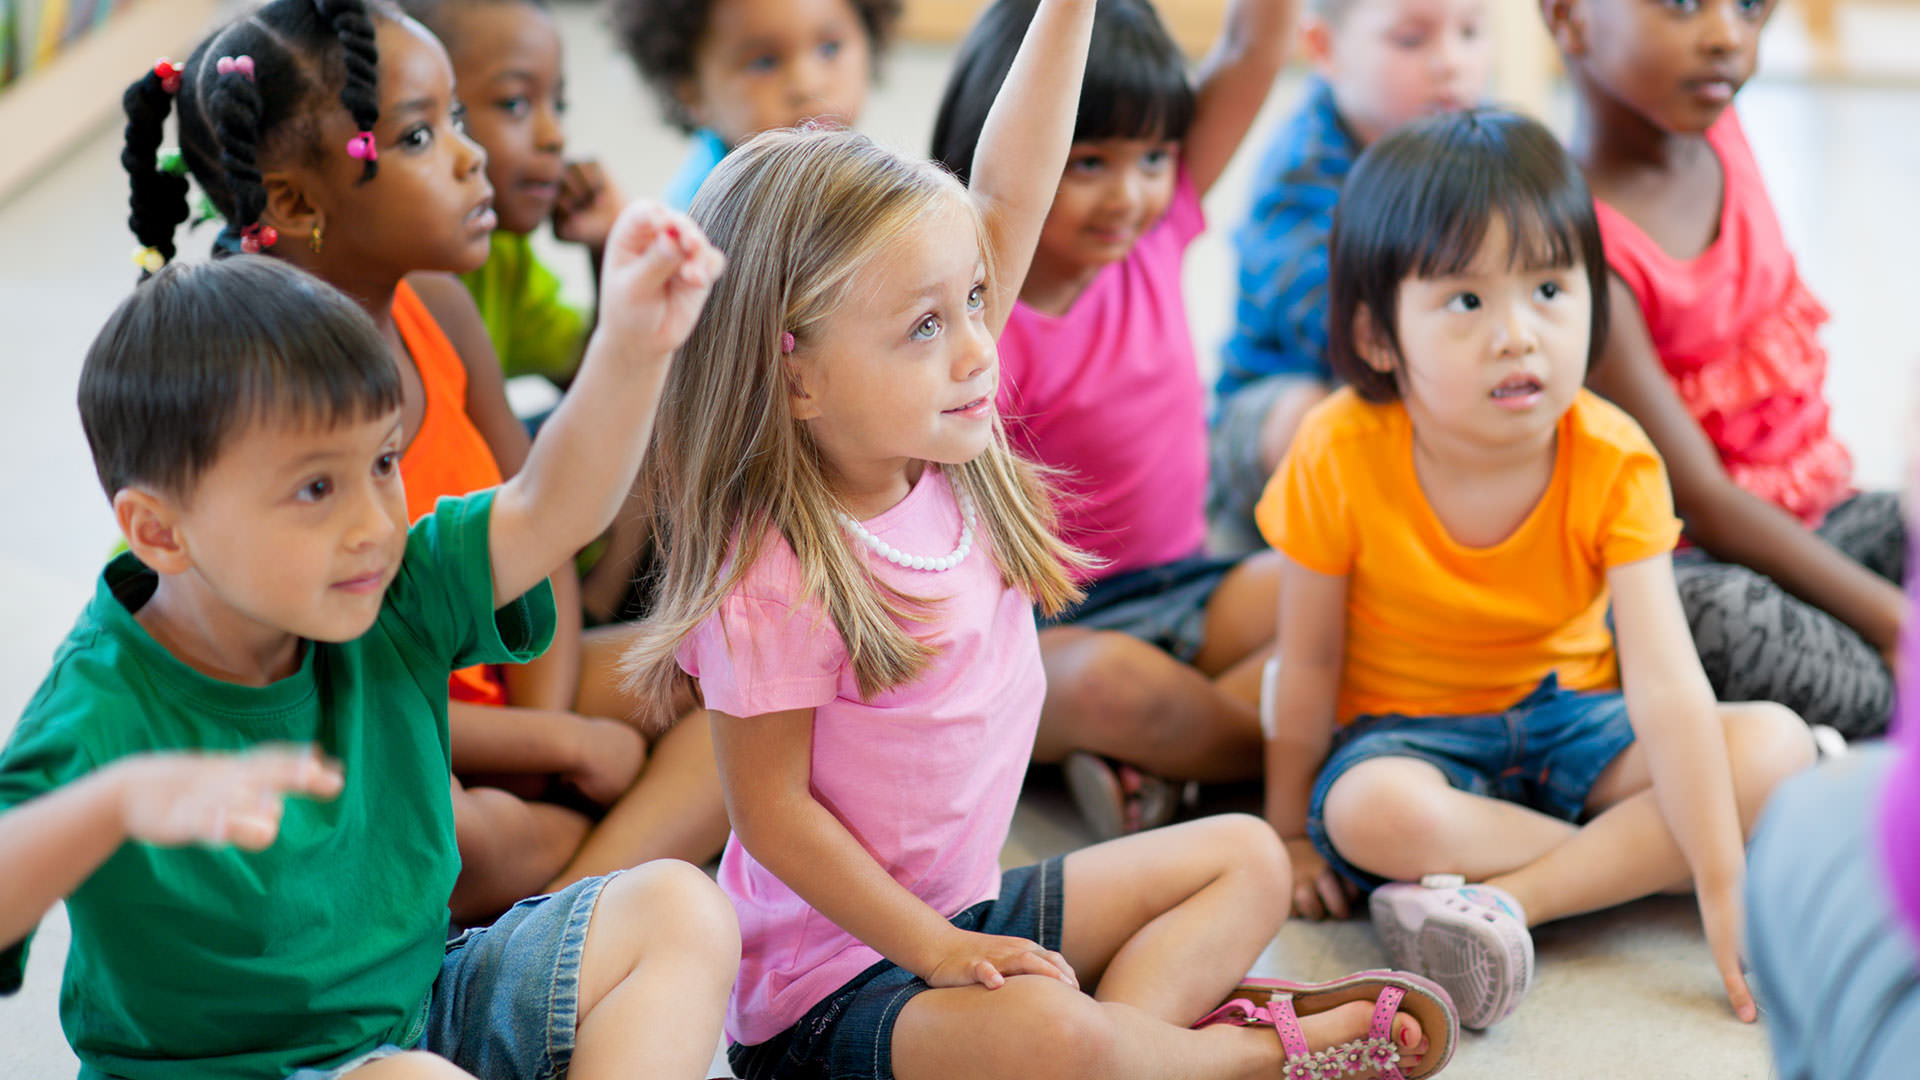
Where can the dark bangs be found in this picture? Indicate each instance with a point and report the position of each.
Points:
(1136, 85)
(202, 350)
(1418, 203)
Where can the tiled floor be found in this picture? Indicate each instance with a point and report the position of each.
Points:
(1626, 994)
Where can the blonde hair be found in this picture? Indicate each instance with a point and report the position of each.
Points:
(799, 213)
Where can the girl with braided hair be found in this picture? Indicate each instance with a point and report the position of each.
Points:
(326, 134)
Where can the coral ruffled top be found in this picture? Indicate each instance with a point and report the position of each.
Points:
(1737, 331)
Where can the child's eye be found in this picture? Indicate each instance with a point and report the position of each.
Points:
(1407, 39)
(1752, 7)
(1087, 164)
(1683, 7)
(977, 297)
(386, 464)
(560, 104)
(315, 490)
(515, 107)
(1465, 301)
(420, 136)
(762, 63)
(1549, 290)
(831, 48)
(926, 329)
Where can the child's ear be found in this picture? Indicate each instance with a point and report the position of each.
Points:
(800, 399)
(1567, 22)
(289, 207)
(1316, 44)
(1371, 343)
(150, 522)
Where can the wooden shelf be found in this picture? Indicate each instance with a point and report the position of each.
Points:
(54, 107)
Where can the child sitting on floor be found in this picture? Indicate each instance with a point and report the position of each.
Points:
(1467, 532)
(245, 422)
(1376, 65)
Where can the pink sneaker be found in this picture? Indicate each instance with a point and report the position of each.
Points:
(1471, 939)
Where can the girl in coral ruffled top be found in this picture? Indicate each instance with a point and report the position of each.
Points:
(1791, 586)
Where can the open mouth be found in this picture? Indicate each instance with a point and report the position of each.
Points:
(1518, 388)
(977, 404)
(482, 215)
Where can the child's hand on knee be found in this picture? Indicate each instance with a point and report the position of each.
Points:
(1722, 914)
(987, 959)
(1319, 892)
(173, 800)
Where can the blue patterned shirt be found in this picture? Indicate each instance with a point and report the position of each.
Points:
(701, 159)
(1280, 316)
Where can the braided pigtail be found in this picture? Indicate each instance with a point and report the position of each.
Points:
(361, 93)
(158, 188)
(234, 110)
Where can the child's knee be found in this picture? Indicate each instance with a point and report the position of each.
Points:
(1100, 675)
(1066, 1034)
(1248, 845)
(412, 1065)
(671, 903)
(1766, 743)
(1376, 812)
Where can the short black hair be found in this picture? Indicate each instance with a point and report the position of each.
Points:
(1418, 203)
(432, 14)
(201, 350)
(303, 51)
(662, 36)
(1136, 86)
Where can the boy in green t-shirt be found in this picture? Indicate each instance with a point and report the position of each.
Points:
(245, 420)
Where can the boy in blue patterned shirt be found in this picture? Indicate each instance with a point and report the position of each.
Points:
(1377, 64)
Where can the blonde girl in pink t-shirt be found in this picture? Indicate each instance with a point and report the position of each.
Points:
(852, 558)
(1153, 676)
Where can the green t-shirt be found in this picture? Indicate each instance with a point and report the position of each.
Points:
(534, 331)
(217, 963)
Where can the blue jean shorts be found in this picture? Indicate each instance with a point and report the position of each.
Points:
(849, 1036)
(1545, 752)
(1164, 606)
(506, 1004)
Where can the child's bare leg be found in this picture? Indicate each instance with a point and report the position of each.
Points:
(1114, 695)
(413, 1065)
(1397, 817)
(673, 811)
(509, 849)
(660, 957)
(1628, 851)
(1240, 624)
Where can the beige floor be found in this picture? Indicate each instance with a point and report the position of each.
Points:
(1627, 994)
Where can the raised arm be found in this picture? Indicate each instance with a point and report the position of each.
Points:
(1728, 522)
(51, 844)
(1674, 716)
(1024, 143)
(1234, 81)
(765, 770)
(659, 270)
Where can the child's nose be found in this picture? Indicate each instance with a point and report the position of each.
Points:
(548, 133)
(471, 156)
(373, 523)
(1515, 334)
(1722, 27)
(977, 355)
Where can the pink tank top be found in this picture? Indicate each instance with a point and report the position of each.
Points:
(1737, 331)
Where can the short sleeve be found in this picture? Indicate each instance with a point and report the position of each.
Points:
(1304, 511)
(42, 755)
(1637, 521)
(757, 656)
(444, 591)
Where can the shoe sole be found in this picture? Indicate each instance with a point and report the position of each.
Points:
(1094, 785)
(1485, 971)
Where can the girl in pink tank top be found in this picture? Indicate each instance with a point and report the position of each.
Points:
(1790, 582)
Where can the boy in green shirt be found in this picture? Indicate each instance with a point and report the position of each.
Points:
(245, 420)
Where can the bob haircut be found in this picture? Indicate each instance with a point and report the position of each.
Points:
(202, 350)
(1418, 204)
(1136, 85)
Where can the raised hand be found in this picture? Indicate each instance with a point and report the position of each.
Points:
(214, 799)
(655, 277)
(987, 959)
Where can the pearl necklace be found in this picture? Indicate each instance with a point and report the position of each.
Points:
(918, 562)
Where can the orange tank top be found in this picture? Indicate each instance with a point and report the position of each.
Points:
(447, 456)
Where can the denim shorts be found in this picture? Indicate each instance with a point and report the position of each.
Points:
(849, 1036)
(1545, 752)
(507, 1001)
(1164, 606)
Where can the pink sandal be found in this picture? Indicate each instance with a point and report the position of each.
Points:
(1280, 1004)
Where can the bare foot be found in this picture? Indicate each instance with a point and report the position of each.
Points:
(1346, 1023)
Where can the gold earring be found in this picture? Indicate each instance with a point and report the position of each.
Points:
(315, 239)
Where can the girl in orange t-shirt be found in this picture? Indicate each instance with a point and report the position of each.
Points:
(1456, 525)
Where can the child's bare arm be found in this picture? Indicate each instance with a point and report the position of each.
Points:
(1024, 143)
(659, 270)
(765, 770)
(1728, 522)
(51, 844)
(1313, 646)
(1674, 716)
(1234, 81)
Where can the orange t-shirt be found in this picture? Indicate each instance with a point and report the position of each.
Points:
(448, 456)
(1437, 628)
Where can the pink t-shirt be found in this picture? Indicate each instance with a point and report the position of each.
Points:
(1738, 333)
(925, 776)
(1110, 392)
